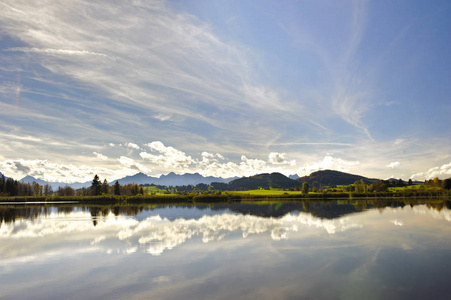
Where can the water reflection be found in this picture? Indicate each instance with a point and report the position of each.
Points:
(155, 233)
(321, 209)
(276, 250)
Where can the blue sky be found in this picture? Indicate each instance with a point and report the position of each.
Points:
(224, 88)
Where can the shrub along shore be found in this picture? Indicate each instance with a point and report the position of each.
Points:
(224, 197)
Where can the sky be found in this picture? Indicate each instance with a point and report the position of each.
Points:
(224, 88)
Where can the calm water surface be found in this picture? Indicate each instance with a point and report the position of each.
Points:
(330, 250)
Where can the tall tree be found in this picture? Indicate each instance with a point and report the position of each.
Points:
(36, 189)
(105, 187)
(65, 191)
(447, 184)
(48, 190)
(96, 186)
(360, 186)
(380, 186)
(305, 188)
(2, 183)
(117, 188)
(11, 187)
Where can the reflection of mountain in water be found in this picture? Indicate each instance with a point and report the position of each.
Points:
(327, 211)
(323, 210)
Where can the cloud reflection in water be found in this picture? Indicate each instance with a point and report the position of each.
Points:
(157, 234)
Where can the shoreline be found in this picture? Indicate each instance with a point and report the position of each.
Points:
(223, 197)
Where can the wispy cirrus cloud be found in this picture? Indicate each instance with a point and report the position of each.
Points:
(74, 79)
(183, 72)
(344, 90)
(54, 51)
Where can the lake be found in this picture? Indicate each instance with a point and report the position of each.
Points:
(262, 250)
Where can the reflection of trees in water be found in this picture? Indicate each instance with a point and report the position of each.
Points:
(439, 206)
(322, 209)
(95, 212)
(65, 209)
(11, 214)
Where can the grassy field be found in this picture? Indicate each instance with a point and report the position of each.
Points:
(153, 190)
(413, 187)
(271, 192)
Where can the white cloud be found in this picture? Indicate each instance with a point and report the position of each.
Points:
(100, 156)
(393, 165)
(209, 158)
(132, 164)
(67, 173)
(246, 167)
(209, 164)
(45, 170)
(132, 145)
(328, 163)
(166, 159)
(169, 156)
(276, 158)
(279, 159)
(442, 172)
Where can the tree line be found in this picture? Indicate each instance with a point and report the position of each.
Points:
(104, 188)
(11, 187)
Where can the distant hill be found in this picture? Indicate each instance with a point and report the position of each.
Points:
(332, 178)
(55, 185)
(273, 180)
(31, 179)
(138, 178)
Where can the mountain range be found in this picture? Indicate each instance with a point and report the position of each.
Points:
(321, 178)
(170, 179)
